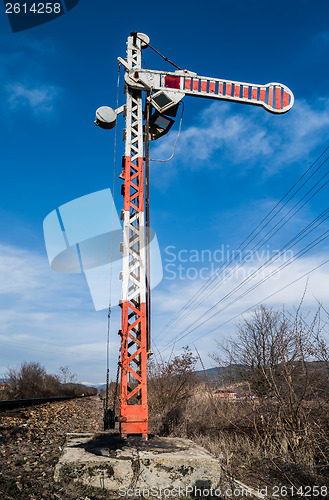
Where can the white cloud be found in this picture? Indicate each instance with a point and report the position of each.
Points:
(49, 317)
(170, 298)
(248, 137)
(27, 274)
(40, 99)
(22, 74)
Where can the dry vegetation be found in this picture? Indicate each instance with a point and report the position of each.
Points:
(277, 432)
(31, 380)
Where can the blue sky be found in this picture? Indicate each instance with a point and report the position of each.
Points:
(232, 163)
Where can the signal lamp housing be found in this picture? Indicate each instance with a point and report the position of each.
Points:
(164, 100)
(160, 123)
(106, 117)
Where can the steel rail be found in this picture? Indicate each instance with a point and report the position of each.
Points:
(23, 403)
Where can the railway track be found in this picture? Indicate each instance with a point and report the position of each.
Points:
(24, 403)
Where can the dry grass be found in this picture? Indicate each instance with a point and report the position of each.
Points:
(252, 447)
(280, 435)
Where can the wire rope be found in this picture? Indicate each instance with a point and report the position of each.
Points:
(293, 259)
(260, 244)
(159, 53)
(111, 253)
(179, 131)
(262, 301)
(247, 240)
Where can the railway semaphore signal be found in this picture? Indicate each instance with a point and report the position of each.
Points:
(162, 93)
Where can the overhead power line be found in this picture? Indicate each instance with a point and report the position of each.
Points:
(211, 284)
(192, 327)
(258, 303)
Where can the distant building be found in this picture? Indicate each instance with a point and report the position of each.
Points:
(3, 384)
(225, 393)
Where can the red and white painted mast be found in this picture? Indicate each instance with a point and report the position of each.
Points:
(133, 387)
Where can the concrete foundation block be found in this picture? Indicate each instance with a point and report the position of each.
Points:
(125, 466)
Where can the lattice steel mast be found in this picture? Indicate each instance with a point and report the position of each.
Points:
(133, 390)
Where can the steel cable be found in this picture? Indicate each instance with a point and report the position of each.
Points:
(302, 252)
(210, 282)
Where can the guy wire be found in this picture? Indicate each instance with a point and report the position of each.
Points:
(111, 260)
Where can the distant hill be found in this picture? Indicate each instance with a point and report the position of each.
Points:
(210, 373)
(97, 386)
(101, 387)
(222, 375)
(219, 374)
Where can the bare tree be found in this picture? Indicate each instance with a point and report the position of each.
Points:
(272, 353)
(30, 381)
(66, 376)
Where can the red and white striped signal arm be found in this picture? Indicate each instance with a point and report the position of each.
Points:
(274, 97)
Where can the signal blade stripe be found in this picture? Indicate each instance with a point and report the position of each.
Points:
(270, 96)
(278, 98)
(195, 84)
(212, 87)
(262, 94)
(285, 99)
(245, 92)
(229, 89)
(204, 85)
(254, 93)
(236, 90)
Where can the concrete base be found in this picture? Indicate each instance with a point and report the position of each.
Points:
(118, 465)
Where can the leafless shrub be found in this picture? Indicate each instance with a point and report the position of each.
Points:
(170, 385)
(31, 380)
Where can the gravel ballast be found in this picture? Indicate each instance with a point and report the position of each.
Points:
(31, 442)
